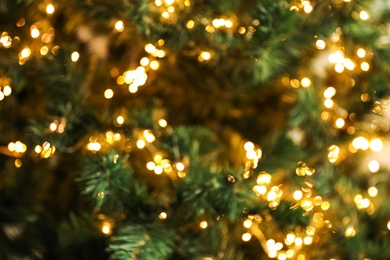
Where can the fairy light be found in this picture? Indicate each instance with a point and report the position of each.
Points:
(307, 8)
(328, 103)
(205, 55)
(297, 195)
(35, 33)
(373, 166)
(376, 145)
(106, 228)
(141, 144)
(163, 215)
(372, 191)
(388, 225)
(120, 120)
(329, 92)
(154, 65)
(298, 241)
(203, 224)
(339, 123)
(75, 56)
(333, 153)
(360, 143)
(50, 9)
(364, 15)
(158, 169)
(150, 166)
(247, 223)
(365, 66)
(320, 44)
(305, 82)
(350, 232)
(144, 61)
(7, 90)
(53, 126)
(25, 53)
(44, 50)
(325, 205)
(246, 237)
(361, 53)
(119, 26)
(339, 67)
(18, 163)
(108, 93)
(163, 123)
(290, 239)
(348, 63)
(190, 24)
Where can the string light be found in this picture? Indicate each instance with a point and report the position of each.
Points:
(373, 166)
(50, 9)
(203, 224)
(75, 56)
(246, 237)
(119, 26)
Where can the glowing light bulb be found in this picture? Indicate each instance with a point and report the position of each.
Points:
(141, 144)
(297, 195)
(361, 53)
(364, 15)
(119, 26)
(50, 9)
(75, 56)
(35, 33)
(108, 93)
(163, 215)
(7, 91)
(305, 82)
(376, 145)
(163, 123)
(329, 92)
(373, 166)
(320, 44)
(246, 237)
(203, 224)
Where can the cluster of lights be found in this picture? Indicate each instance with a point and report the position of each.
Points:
(216, 24)
(168, 8)
(107, 224)
(303, 169)
(252, 156)
(160, 165)
(272, 194)
(45, 150)
(305, 82)
(5, 40)
(146, 137)
(96, 141)
(58, 126)
(5, 89)
(155, 52)
(333, 153)
(304, 5)
(18, 148)
(365, 203)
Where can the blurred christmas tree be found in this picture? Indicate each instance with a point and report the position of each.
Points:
(179, 129)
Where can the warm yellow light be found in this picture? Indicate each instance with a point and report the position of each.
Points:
(325, 205)
(364, 15)
(247, 223)
(271, 195)
(163, 215)
(169, 2)
(38, 149)
(290, 253)
(44, 50)
(179, 166)
(20, 147)
(25, 53)
(106, 228)
(307, 8)
(360, 143)
(264, 178)
(333, 153)
(388, 225)
(339, 67)
(305, 82)
(154, 65)
(361, 53)
(7, 90)
(119, 26)
(297, 195)
(205, 55)
(349, 64)
(75, 56)
(50, 9)
(35, 33)
(365, 66)
(190, 24)
(18, 163)
(144, 61)
(350, 232)
(149, 137)
(141, 144)
(228, 23)
(290, 238)
(329, 92)
(320, 44)
(53, 126)
(249, 146)
(163, 123)
(339, 123)
(308, 240)
(337, 57)
(120, 120)
(373, 166)
(108, 93)
(203, 224)
(158, 170)
(376, 145)
(246, 237)
(298, 241)
(150, 166)
(328, 103)
(372, 191)
(149, 48)
(158, 2)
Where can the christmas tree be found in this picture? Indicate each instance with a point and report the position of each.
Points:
(179, 129)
